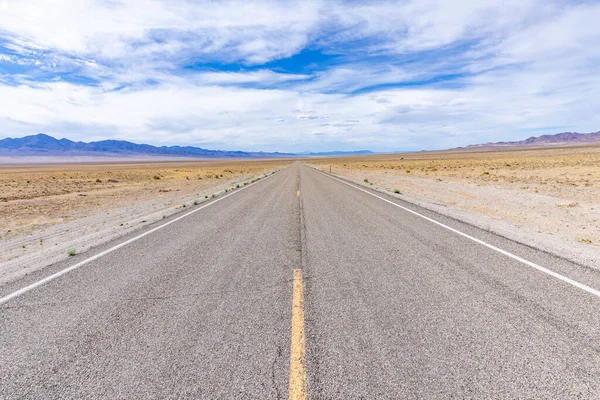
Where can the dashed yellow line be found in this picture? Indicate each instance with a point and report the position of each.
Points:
(297, 354)
(298, 193)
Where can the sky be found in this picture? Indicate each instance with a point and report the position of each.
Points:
(299, 76)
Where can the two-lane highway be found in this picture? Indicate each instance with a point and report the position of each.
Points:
(399, 307)
(198, 309)
(302, 285)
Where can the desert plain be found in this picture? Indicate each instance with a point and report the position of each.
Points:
(47, 211)
(547, 197)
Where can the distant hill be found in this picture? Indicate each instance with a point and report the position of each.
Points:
(45, 145)
(559, 139)
(336, 153)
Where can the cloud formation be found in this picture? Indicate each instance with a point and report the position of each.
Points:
(295, 76)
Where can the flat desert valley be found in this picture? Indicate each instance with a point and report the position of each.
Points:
(48, 210)
(547, 198)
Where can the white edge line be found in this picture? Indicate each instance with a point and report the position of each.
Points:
(49, 278)
(545, 270)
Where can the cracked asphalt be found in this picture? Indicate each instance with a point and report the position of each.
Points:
(395, 307)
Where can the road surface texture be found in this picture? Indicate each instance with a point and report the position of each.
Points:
(304, 286)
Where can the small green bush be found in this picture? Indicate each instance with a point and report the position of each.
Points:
(71, 252)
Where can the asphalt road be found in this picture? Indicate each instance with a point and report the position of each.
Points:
(393, 306)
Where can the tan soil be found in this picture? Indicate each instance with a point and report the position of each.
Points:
(45, 210)
(551, 195)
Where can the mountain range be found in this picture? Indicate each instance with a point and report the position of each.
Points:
(45, 145)
(559, 139)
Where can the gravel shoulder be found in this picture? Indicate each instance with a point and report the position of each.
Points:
(562, 219)
(45, 228)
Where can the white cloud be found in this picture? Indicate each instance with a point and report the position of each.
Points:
(521, 65)
(265, 77)
(352, 77)
(253, 31)
(229, 117)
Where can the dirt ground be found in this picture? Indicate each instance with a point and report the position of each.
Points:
(48, 211)
(35, 197)
(546, 198)
(555, 192)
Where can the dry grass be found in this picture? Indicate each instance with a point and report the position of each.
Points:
(33, 197)
(556, 172)
(554, 191)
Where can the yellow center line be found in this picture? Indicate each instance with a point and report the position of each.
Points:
(298, 193)
(297, 370)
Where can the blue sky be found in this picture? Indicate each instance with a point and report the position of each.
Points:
(299, 76)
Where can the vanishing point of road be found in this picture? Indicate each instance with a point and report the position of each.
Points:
(303, 285)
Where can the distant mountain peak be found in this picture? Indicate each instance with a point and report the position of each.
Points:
(558, 139)
(42, 144)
